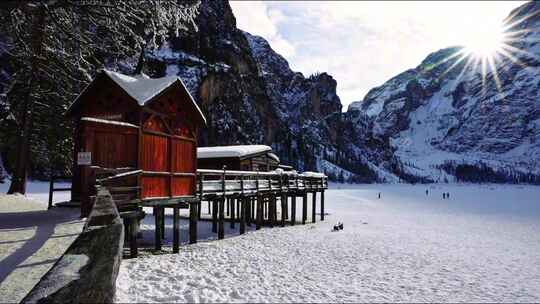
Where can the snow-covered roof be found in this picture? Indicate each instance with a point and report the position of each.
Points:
(273, 156)
(231, 151)
(142, 88)
(313, 174)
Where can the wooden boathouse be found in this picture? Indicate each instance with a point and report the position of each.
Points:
(137, 137)
(126, 124)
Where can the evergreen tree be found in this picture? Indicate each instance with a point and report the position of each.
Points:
(51, 49)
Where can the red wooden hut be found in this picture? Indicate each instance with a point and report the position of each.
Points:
(136, 123)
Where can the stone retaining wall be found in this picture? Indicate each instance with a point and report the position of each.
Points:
(87, 272)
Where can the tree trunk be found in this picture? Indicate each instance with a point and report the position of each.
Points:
(20, 174)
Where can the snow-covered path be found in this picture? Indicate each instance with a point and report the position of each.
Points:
(482, 245)
(32, 239)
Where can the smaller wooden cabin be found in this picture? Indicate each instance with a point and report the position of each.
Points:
(136, 123)
(241, 157)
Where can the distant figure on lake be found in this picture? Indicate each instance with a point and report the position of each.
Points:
(443, 195)
(427, 191)
(379, 195)
(447, 194)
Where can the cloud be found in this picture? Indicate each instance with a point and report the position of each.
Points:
(256, 18)
(363, 44)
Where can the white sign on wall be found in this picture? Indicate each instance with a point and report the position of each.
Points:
(84, 158)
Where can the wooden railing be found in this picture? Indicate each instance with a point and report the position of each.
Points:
(219, 182)
(52, 189)
(229, 182)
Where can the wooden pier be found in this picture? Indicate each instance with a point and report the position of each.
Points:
(243, 198)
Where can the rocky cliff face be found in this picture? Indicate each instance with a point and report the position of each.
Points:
(442, 121)
(445, 118)
(249, 92)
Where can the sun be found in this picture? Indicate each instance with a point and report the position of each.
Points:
(485, 43)
(486, 46)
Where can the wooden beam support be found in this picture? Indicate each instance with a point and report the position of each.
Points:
(283, 200)
(214, 215)
(194, 210)
(232, 203)
(313, 206)
(253, 208)
(221, 227)
(242, 211)
(259, 212)
(271, 209)
(322, 205)
(133, 237)
(162, 223)
(176, 230)
(157, 215)
(293, 209)
(304, 208)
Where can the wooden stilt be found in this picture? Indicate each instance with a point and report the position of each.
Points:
(176, 230)
(221, 227)
(271, 204)
(157, 215)
(304, 208)
(199, 207)
(233, 215)
(209, 203)
(286, 211)
(214, 215)
(162, 223)
(293, 209)
(313, 207)
(283, 209)
(133, 237)
(247, 205)
(322, 205)
(238, 208)
(265, 208)
(228, 206)
(194, 209)
(253, 209)
(242, 211)
(259, 212)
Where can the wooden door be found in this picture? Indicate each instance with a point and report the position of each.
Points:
(168, 159)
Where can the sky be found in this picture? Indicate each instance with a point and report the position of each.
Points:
(363, 44)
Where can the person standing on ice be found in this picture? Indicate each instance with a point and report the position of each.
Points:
(447, 194)
(443, 195)
(379, 195)
(427, 191)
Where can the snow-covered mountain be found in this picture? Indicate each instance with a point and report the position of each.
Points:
(428, 124)
(444, 119)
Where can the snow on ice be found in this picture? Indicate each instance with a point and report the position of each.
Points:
(482, 244)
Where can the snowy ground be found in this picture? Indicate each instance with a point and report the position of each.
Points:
(482, 245)
(32, 238)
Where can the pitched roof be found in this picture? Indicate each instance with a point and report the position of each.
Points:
(231, 151)
(142, 88)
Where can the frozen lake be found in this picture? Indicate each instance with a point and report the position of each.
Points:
(481, 245)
